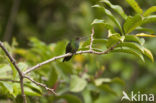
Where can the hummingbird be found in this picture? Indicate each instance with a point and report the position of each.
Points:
(72, 47)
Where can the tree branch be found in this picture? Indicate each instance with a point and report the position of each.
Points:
(17, 68)
(68, 54)
(40, 84)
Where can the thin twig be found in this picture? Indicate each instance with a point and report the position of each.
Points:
(40, 84)
(91, 39)
(9, 80)
(17, 68)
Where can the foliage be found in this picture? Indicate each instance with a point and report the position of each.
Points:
(87, 78)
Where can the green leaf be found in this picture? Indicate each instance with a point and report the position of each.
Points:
(106, 25)
(23, 66)
(129, 51)
(107, 88)
(149, 11)
(116, 8)
(142, 41)
(13, 69)
(132, 38)
(59, 48)
(135, 6)
(96, 41)
(111, 16)
(118, 80)
(100, 81)
(113, 39)
(97, 21)
(148, 53)
(17, 89)
(77, 84)
(145, 30)
(53, 76)
(100, 41)
(86, 43)
(66, 68)
(6, 71)
(145, 35)
(87, 96)
(131, 23)
(70, 98)
(34, 87)
(149, 19)
(8, 87)
(131, 45)
(30, 92)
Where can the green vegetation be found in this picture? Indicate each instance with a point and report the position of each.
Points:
(86, 78)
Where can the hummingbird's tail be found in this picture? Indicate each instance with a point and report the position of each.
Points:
(67, 58)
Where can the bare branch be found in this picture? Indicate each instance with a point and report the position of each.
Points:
(40, 84)
(65, 55)
(91, 39)
(17, 68)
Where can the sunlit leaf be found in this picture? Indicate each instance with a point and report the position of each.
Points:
(106, 25)
(135, 6)
(99, 81)
(110, 15)
(149, 11)
(13, 69)
(34, 87)
(96, 41)
(129, 51)
(59, 48)
(100, 41)
(149, 19)
(77, 84)
(145, 35)
(30, 92)
(131, 45)
(148, 53)
(23, 66)
(116, 8)
(6, 71)
(8, 87)
(132, 38)
(131, 23)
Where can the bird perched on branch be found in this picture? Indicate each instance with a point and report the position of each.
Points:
(72, 47)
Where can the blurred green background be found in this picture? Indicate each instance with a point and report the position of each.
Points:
(36, 30)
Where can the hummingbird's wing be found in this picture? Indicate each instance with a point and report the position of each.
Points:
(68, 47)
(68, 50)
